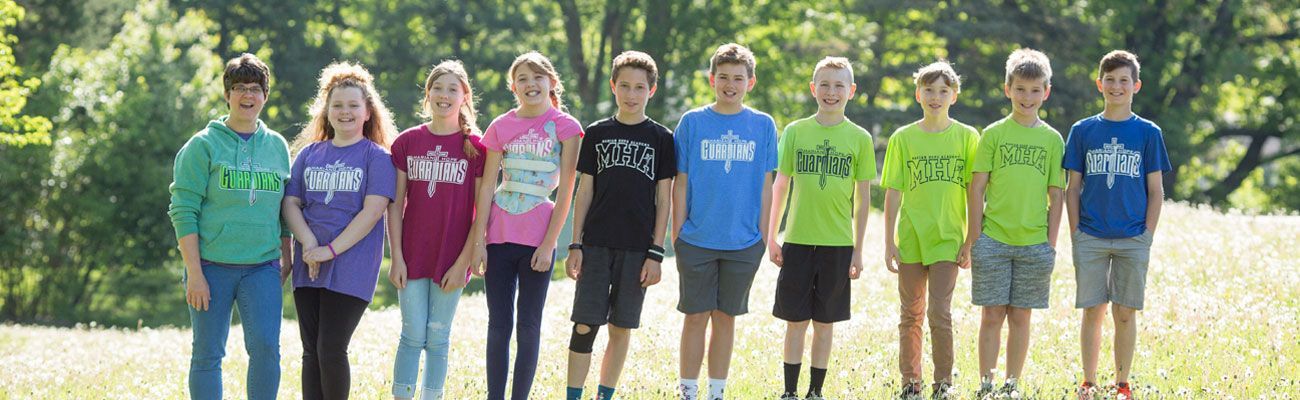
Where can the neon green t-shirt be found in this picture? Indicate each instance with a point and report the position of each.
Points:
(1022, 162)
(824, 163)
(931, 170)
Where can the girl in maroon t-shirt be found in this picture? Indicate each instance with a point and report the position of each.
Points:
(439, 164)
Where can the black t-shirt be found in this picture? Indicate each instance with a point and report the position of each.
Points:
(627, 162)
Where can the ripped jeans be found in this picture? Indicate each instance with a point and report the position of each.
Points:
(427, 314)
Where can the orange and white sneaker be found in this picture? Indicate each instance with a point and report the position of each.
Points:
(1087, 391)
(1123, 392)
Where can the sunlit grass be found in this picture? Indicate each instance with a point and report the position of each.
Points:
(1221, 322)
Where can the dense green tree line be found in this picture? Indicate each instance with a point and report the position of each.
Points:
(95, 97)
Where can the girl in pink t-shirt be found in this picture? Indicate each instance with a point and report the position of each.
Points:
(439, 167)
(534, 148)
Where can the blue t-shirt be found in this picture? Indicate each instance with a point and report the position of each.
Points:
(1114, 158)
(726, 159)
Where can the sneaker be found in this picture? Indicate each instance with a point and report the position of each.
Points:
(942, 391)
(1009, 390)
(911, 391)
(814, 396)
(682, 395)
(789, 396)
(1123, 392)
(1087, 391)
(985, 392)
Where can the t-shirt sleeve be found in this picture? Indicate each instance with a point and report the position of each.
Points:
(296, 172)
(785, 151)
(892, 175)
(668, 156)
(1157, 158)
(476, 164)
(1055, 174)
(399, 153)
(1073, 158)
(987, 148)
(972, 147)
(492, 138)
(770, 159)
(866, 168)
(682, 143)
(568, 127)
(381, 176)
(587, 156)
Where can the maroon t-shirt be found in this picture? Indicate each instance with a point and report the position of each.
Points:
(439, 198)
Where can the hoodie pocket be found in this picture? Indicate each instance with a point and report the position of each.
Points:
(244, 237)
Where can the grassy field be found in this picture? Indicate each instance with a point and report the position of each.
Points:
(1223, 300)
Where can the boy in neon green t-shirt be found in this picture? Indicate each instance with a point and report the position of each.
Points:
(1011, 248)
(927, 167)
(831, 162)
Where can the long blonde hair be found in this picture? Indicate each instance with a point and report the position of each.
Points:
(539, 63)
(468, 114)
(379, 128)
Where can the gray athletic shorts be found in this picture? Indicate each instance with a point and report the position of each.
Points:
(716, 279)
(609, 288)
(1111, 270)
(1003, 274)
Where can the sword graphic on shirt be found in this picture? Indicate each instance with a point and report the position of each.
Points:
(434, 167)
(1113, 159)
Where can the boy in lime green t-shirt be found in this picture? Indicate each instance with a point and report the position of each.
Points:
(1011, 248)
(830, 161)
(927, 167)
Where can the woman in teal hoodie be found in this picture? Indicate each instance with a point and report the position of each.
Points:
(226, 192)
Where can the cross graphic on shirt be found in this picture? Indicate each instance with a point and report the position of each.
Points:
(1114, 148)
(824, 162)
(434, 156)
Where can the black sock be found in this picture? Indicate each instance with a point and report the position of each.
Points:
(791, 378)
(815, 384)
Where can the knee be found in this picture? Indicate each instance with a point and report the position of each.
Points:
(993, 316)
(1019, 316)
(1123, 315)
(721, 319)
(823, 330)
(939, 317)
(619, 334)
(582, 339)
(438, 337)
(262, 345)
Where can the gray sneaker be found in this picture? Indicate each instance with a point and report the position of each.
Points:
(943, 391)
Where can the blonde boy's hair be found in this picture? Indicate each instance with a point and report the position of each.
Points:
(1117, 59)
(635, 60)
(937, 70)
(1029, 64)
(834, 63)
(732, 53)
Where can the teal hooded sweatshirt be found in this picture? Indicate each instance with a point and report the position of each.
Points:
(228, 190)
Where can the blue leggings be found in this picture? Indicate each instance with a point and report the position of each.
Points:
(509, 269)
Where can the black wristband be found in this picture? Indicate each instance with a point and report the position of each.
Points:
(656, 253)
(575, 246)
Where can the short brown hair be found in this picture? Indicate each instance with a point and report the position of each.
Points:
(1029, 64)
(732, 53)
(246, 68)
(935, 71)
(835, 63)
(1117, 59)
(638, 60)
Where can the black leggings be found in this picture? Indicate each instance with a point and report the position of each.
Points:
(326, 320)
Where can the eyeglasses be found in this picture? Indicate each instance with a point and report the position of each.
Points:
(246, 89)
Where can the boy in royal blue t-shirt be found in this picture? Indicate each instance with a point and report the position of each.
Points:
(1116, 160)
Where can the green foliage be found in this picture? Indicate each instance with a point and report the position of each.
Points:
(16, 129)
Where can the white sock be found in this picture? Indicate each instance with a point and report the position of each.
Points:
(716, 387)
(690, 388)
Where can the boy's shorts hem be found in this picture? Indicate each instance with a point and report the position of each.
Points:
(716, 279)
(813, 283)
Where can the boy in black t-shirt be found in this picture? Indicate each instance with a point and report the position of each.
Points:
(627, 163)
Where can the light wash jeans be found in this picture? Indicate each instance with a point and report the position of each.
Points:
(256, 291)
(427, 313)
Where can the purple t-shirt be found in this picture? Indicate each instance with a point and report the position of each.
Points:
(333, 183)
(439, 198)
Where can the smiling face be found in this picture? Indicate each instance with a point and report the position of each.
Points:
(245, 101)
(348, 112)
(1027, 95)
(445, 97)
(532, 88)
(730, 82)
(833, 88)
(632, 89)
(936, 97)
(1117, 86)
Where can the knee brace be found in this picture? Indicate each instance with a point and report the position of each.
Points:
(581, 343)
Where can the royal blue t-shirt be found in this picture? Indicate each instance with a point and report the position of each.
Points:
(1114, 158)
(726, 158)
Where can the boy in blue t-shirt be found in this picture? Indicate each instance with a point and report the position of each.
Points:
(1116, 160)
(725, 155)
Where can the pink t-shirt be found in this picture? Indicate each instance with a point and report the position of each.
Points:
(439, 198)
(526, 138)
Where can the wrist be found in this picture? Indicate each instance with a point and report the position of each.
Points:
(333, 254)
(655, 253)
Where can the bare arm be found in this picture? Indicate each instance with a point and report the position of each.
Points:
(1155, 199)
(892, 201)
(780, 190)
(1072, 192)
(573, 264)
(679, 204)
(974, 216)
(765, 215)
(291, 209)
(861, 213)
(564, 198)
(396, 210)
(1054, 198)
(196, 286)
(487, 187)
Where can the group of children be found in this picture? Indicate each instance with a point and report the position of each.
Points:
(954, 199)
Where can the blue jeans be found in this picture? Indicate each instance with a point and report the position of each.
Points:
(427, 313)
(508, 270)
(256, 291)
